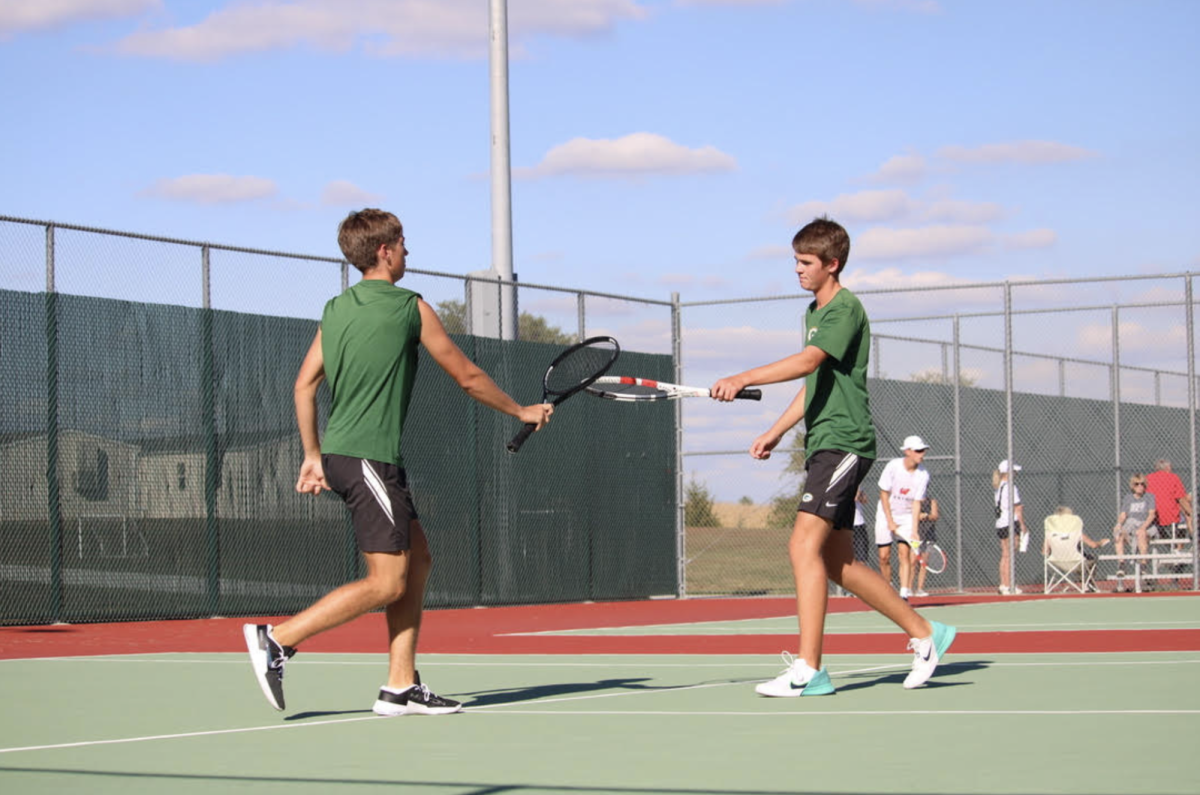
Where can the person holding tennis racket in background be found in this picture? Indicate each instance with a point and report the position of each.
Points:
(840, 448)
(902, 486)
(366, 349)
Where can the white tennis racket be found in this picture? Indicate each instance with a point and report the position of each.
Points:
(628, 388)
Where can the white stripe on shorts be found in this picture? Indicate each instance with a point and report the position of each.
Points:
(844, 468)
(375, 484)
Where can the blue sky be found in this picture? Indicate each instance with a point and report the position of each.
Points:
(657, 145)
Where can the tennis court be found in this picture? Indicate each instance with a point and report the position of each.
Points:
(1072, 695)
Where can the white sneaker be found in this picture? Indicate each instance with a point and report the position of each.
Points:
(796, 680)
(1017, 589)
(927, 653)
(921, 593)
(905, 593)
(1004, 590)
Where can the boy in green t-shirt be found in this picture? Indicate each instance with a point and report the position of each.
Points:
(840, 445)
(366, 351)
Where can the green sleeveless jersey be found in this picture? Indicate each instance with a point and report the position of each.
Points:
(837, 408)
(369, 337)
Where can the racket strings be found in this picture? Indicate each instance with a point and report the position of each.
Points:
(580, 368)
(634, 389)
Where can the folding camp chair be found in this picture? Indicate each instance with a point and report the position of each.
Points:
(1065, 564)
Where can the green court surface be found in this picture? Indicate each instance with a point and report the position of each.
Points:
(1172, 612)
(1121, 722)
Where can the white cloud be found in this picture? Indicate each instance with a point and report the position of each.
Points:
(896, 279)
(878, 206)
(1025, 152)
(961, 212)
(928, 241)
(782, 253)
(387, 28)
(917, 6)
(342, 192)
(1034, 238)
(1096, 338)
(18, 16)
(212, 189)
(870, 206)
(901, 170)
(637, 154)
(686, 3)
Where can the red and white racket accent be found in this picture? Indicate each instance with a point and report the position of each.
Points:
(629, 388)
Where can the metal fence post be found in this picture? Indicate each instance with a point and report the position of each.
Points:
(212, 456)
(581, 311)
(1116, 401)
(680, 528)
(53, 498)
(958, 473)
(1008, 435)
(1190, 314)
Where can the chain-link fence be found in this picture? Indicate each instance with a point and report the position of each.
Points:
(148, 449)
(1082, 382)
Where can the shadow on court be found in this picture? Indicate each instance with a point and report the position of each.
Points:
(519, 694)
(864, 680)
(455, 787)
(326, 713)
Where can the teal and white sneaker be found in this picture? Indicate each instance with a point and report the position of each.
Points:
(798, 679)
(927, 653)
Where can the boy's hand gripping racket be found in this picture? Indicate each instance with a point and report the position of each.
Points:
(572, 371)
(628, 388)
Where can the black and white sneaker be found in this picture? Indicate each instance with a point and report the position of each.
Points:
(267, 658)
(415, 700)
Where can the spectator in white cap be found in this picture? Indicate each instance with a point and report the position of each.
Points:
(902, 487)
(1001, 481)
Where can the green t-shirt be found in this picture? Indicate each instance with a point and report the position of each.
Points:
(369, 337)
(837, 408)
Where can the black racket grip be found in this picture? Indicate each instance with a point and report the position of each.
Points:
(749, 394)
(520, 438)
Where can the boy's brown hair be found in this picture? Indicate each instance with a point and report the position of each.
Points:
(362, 233)
(824, 238)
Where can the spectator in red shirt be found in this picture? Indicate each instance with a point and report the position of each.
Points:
(1170, 498)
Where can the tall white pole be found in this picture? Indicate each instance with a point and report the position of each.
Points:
(502, 251)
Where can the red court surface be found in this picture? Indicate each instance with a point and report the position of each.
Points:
(496, 630)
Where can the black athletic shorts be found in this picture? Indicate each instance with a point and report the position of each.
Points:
(381, 507)
(833, 480)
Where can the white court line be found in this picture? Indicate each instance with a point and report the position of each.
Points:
(608, 662)
(147, 738)
(855, 713)
(500, 709)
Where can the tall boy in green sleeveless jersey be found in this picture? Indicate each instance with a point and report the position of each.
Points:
(840, 445)
(366, 350)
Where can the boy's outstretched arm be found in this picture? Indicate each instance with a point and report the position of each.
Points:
(790, 368)
(468, 375)
(312, 373)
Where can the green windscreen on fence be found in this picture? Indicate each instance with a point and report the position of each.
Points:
(148, 456)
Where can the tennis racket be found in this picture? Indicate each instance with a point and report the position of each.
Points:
(571, 371)
(627, 388)
(932, 557)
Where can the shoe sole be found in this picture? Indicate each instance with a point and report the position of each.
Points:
(818, 686)
(258, 662)
(388, 710)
